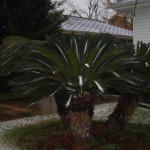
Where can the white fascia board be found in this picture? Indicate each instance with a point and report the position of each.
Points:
(127, 37)
(129, 6)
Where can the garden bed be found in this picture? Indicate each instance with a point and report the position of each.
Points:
(50, 135)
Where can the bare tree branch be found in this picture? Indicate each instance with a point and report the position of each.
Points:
(95, 9)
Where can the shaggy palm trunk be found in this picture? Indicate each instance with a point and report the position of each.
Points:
(123, 112)
(80, 118)
(61, 109)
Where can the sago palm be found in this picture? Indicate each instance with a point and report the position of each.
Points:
(73, 69)
(143, 53)
(128, 102)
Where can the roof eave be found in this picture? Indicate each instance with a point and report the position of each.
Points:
(95, 33)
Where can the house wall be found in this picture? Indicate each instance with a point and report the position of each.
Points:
(141, 25)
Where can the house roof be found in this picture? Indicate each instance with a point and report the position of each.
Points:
(80, 25)
(129, 5)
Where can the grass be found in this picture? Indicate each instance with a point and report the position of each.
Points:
(141, 116)
(49, 135)
(33, 133)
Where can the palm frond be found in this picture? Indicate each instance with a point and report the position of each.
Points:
(74, 64)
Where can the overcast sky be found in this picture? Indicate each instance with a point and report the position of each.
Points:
(79, 4)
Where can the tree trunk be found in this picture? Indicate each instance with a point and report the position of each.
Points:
(80, 119)
(80, 125)
(61, 98)
(123, 112)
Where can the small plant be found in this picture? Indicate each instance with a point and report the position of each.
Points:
(92, 143)
(109, 147)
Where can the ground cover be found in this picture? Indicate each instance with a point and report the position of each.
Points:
(50, 135)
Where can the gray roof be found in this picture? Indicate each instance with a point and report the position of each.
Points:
(92, 26)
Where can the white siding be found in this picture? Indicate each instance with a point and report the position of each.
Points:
(141, 25)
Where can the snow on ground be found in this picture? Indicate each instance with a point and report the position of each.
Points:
(100, 112)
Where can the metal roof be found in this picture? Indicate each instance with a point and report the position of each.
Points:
(92, 26)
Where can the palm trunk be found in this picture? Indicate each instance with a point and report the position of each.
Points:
(61, 109)
(123, 112)
(80, 125)
(80, 118)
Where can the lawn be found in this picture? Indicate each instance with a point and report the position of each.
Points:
(50, 135)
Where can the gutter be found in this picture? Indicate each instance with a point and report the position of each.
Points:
(96, 33)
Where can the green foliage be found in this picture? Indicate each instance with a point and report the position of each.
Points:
(141, 116)
(109, 147)
(33, 133)
(29, 18)
(74, 64)
(92, 142)
(142, 52)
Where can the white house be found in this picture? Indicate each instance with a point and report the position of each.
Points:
(141, 21)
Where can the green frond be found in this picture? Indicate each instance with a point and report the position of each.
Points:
(74, 64)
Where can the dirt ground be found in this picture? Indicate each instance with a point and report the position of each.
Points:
(17, 109)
